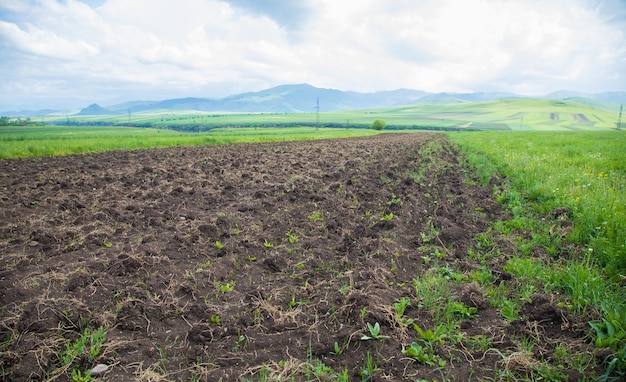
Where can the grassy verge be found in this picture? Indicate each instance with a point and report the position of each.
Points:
(33, 141)
(567, 196)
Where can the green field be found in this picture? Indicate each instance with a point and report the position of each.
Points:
(33, 141)
(550, 180)
(504, 114)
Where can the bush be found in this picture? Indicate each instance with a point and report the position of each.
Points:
(379, 124)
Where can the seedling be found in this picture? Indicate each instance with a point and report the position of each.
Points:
(370, 368)
(316, 216)
(218, 245)
(374, 333)
(387, 217)
(225, 287)
(394, 201)
(215, 319)
(267, 244)
(458, 310)
(423, 355)
(293, 239)
(337, 350)
(401, 305)
(430, 337)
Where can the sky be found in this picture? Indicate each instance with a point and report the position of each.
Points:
(64, 54)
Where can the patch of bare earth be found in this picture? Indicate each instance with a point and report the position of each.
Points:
(230, 261)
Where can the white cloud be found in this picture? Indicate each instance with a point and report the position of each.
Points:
(101, 51)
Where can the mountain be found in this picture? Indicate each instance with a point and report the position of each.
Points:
(300, 98)
(28, 113)
(303, 98)
(609, 101)
(94, 109)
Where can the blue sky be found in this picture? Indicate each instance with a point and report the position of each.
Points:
(68, 53)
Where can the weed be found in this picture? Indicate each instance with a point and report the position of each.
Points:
(242, 343)
(317, 217)
(509, 309)
(423, 355)
(394, 201)
(374, 333)
(268, 244)
(457, 309)
(401, 305)
(430, 337)
(89, 343)
(367, 372)
(216, 319)
(337, 350)
(293, 239)
(225, 287)
(218, 245)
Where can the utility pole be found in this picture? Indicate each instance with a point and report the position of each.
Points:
(317, 114)
(619, 118)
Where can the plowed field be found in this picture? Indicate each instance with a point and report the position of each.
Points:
(261, 261)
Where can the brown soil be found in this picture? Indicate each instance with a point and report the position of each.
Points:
(127, 241)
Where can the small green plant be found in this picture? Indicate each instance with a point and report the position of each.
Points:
(457, 309)
(367, 372)
(293, 239)
(216, 319)
(78, 376)
(423, 355)
(401, 305)
(363, 312)
(430, 337)
(337, 350)
(374, 333)
(89, 344)
(242, 343)
(218, 245)
(394, 201)
(225, 287)
(267, 244)
(387, 217)
(293, 303)
(316, 216)
(509, 309)
(479, 342)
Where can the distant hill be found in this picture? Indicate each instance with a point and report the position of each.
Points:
(28, 113)
(94, 109)
(280, 99)
(302, 98)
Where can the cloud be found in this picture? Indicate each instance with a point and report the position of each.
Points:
(291, 15)
(80, 52)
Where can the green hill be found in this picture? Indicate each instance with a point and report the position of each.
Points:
(502, 114)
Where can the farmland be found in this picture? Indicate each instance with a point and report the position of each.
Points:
(391, 256)
(35, 141)
(504, 114)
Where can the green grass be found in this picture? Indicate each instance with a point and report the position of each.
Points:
(567, 195)
(583, 172)
(34, 141)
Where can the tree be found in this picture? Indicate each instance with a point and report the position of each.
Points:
(379, 124)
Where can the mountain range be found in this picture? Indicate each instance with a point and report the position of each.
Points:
(303, 98)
